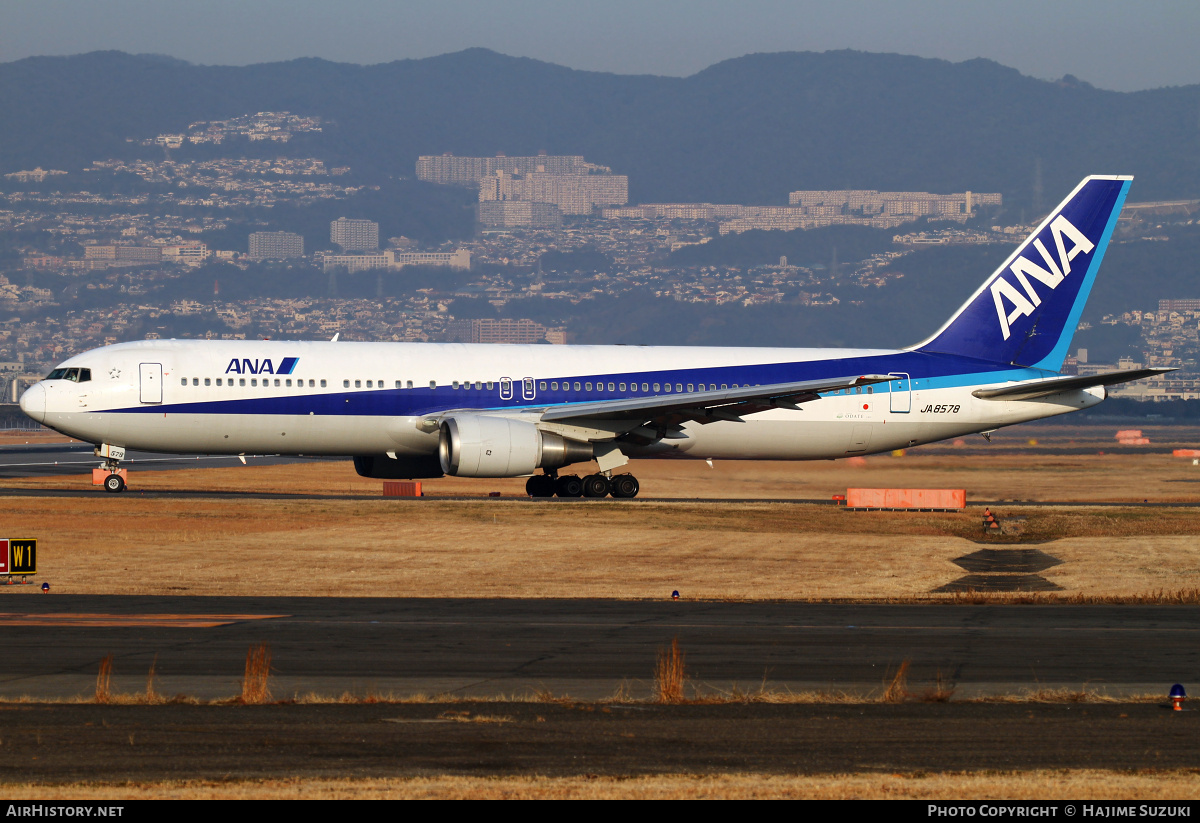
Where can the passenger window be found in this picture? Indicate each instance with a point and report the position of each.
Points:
(542, 385)
(479, 385)
(195, 381)
(454, 385)
(576, 386)
(410, 384)
(724, 386)
(489, 385)
(690, 387)
(554, 385)
(399, 385)
(219, 382)
(870, 389)
(253, 381)
(276, 382)
(433, 384)
(183, 381)
(208, 381)
(345, 384)
(678, 387)
(667, 388)
(358, 384)
(368, 384)
(287, 383)
(646, 387)
(657, 387)
(322, 383)
(587, 386)
(712, 386)
(611, 387)
(621, 387)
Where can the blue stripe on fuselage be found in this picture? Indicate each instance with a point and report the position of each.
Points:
(927, 371)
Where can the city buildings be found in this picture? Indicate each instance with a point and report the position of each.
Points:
(275, 245)
(502, 330)
(391, 259)
(354, 235)
(449, 170)
(512, 214)
(568, 182)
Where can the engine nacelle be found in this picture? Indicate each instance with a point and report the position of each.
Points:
(382, 467)
(475, 445)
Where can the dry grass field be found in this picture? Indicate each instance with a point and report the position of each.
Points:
(444, 545)
(1040, 785)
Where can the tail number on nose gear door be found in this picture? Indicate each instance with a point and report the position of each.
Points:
(947, 409)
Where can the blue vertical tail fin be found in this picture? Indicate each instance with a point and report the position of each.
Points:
(1026, 312)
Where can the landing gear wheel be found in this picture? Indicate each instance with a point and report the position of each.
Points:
(540, 485)
(625, 486)
(114, 483)
(595, 485)
(568, 485)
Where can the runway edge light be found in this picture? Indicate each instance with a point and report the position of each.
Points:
(675, 596)
(1177, 695)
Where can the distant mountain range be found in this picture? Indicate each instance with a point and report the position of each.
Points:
(744, 131)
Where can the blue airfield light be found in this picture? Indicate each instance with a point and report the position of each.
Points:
(1177, 695)
(675, 596)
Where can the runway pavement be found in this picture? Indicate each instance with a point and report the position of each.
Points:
(54, 459)
(137, 743)
(583, 648)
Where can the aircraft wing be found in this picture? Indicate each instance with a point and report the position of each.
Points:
(1054, 385)
(664, 411)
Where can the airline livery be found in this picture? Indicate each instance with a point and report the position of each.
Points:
(420, 410)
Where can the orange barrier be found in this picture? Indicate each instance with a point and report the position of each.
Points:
(99, 475)
(1129, 434)
(401, 488)
(906, 498)
(1186, 453)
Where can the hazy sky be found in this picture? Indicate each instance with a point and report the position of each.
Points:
(1113, 44)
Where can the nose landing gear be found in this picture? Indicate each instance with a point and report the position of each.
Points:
(114, 481)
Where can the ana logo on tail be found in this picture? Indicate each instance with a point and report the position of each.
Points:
(1023, 268)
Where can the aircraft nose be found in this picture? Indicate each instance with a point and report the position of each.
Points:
(33, 402)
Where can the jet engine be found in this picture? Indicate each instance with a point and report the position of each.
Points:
(406, 467)
(475, 445)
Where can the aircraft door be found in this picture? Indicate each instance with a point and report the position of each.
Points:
(151, 382)
(900, 393)
(506, 388)
(527, 389)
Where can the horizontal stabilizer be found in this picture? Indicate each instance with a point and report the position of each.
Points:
(1042, 388)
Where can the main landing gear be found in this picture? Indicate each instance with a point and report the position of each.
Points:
(623, 486)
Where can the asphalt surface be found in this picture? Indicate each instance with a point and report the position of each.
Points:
(583, 648)
(55, 459)
(558, 655)
(118, 743)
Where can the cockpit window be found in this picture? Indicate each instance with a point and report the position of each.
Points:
(74, 375)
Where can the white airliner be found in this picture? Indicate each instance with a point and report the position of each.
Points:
(420, 410)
